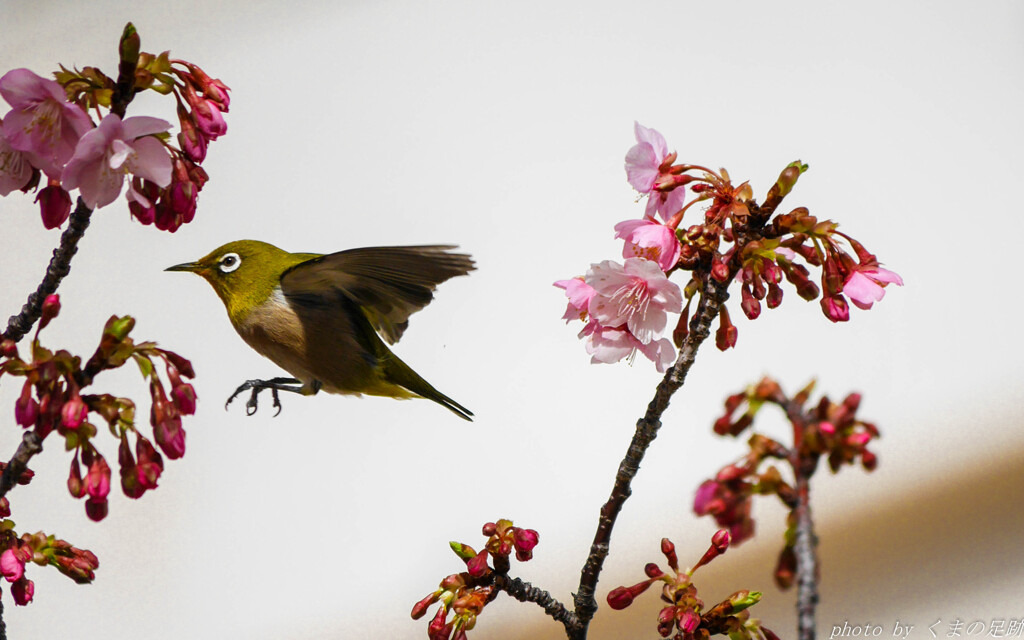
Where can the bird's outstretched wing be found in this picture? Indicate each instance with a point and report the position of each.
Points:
(389, 283)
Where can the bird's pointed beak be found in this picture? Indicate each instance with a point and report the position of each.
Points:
(194, 267)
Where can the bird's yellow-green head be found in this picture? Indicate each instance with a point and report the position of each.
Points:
(244, 273)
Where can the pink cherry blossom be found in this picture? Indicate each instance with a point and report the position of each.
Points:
(113, 149)
(866, 284)
(15, 166)
(608, 345)
(579, 293)
(643, 168)
(636, 294)
(42, 122)
(648, 238)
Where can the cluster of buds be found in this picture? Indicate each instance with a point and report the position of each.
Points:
(684, 617)
(827, 429)
(624, 307)
(465, 594)
(78, 564)
(52, 400)
(49, 131)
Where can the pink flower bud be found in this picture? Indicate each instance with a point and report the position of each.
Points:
(721, 540)
(54, 205)
(835, 308)
(490, 529)
(184, 397)
(5, 508)
(689, 621)
(726, 335)
(97, 479)
(827, 428)
(22, 591)
(11, 566)
(75, 486)
(524, 540)
(26, 409)
(74, 412)
(477, 565)
(420, 608)
(705, 494)
(51, 307)
(750, 305)
(669, 550)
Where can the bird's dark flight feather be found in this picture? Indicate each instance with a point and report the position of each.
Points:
(388, 283)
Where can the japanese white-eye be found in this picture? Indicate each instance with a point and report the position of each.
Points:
(322, 318)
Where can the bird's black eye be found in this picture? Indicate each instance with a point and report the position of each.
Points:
(229, 262)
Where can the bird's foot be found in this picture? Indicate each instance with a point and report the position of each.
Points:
(255, 386)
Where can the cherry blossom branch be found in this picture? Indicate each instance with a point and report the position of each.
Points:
(526, 592)
(60, 265)
(31, 444)
(712, 296)
(806, 561)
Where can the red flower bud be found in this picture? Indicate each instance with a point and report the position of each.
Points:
(750, 305)
(477, 565)
(96, 509)
(721, 540)
(420, 608)
(669, 550)
(54, 205)
(22, 591)
(619, 598)
(727, 333)
(75, 486)
(74, 412)
(51, 307)
(184, 397)
(26, 409)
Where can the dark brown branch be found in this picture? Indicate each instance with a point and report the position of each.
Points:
(526, 592)
(711, 299)
(31, 444)
(806, 561)
(59, 267)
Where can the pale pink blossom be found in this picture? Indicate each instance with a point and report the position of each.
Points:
(579, 294)
(15, 167)
(643, 168)
(608, 345)
(636, 294)
(648, 238)
(866, 284)
(115, 148)
(42, 122)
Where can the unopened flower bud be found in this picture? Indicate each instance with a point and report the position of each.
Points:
(868, 460)
(827, 428)
(74, 412)
(26, 409)
(75, 486)
(744, 599)
(420, 608)
(477, 565)
(96, 510)
(750, 305)
(54, 205)
(835, 308)
(669, 550)
(653, 570)
(22, 591)
(51, 307)
(689, 621)
(725, 337)
(721, 540)
(619, 598)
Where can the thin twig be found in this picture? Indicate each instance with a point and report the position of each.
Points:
(711, 299)
(31, 444)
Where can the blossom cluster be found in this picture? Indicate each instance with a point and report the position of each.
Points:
(625, 307)
(78, 564)
(465, 594)
(684, 616)
(827, 430)
(51, 400)
(48, 131)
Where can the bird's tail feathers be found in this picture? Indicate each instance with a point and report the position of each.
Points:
(402, 374)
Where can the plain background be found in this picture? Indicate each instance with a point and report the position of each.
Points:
(502, 127)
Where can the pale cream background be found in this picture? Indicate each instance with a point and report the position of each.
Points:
(502, 127)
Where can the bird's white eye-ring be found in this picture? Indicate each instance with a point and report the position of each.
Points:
(229, 262)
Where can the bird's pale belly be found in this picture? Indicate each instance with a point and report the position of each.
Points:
(315, 346)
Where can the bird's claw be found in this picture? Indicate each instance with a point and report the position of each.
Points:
(255, 386)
